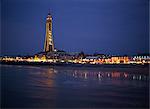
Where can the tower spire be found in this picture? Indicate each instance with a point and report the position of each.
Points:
(49, 12)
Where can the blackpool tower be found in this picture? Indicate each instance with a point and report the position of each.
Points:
(49, 43)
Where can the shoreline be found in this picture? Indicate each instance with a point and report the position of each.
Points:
(75, 64)
(131, 68)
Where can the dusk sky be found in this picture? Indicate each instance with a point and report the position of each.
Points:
(103, 26)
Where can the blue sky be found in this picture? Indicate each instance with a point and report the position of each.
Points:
(104, 26)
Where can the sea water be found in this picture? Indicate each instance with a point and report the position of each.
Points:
(72, 87)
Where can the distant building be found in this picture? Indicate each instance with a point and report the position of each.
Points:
(49, 43)
(120, 59)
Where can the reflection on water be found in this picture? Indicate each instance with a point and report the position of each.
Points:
(46, 77)
(27, 86)
(102, 74)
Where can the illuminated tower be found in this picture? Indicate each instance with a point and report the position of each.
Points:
(49, 44)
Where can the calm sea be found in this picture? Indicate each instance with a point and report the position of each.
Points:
(72, 87)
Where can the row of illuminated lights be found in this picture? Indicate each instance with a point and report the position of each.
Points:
(101, 61)
(141, 57)
(35, 59)
(82, 61)
(73, 61)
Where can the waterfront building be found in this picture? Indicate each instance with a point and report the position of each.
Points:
(120, 59)
(49, 43)
(141, 59)
(91, 59)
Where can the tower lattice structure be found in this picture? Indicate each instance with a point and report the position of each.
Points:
(49, 43)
